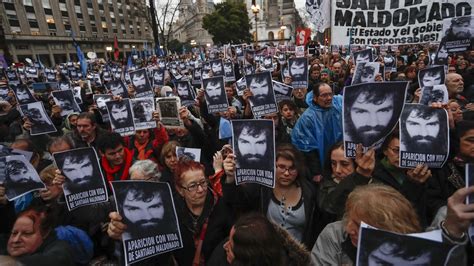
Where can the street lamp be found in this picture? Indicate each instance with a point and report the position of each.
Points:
(108, 49)
(255, 10)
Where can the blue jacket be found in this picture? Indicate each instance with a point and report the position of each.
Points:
(318, 128)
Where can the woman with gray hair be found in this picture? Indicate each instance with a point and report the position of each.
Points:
(145, 170)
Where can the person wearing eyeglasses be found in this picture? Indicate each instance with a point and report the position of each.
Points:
(204, 217)
(292, 204)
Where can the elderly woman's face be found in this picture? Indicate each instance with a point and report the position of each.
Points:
(352, 227)
(24, 239)
(193, 187)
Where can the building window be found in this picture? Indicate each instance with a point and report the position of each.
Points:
(46, 3)
(271, 36)
(30, 9)
(77, 2)
(14, 23)
(27, 2)
(9, 6)
(79, 15)
(82, 28)
(22, 47)
(16, 29)
(48, 11)
(64, 14)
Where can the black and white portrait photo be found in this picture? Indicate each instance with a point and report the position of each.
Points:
(77, 94)
(31, 72)
(459, 33)
(84, 183)
(241, 86)
(363, 56)
(248, 70)
(100, 100)
(185, 92)
(214, 93)
(282, 91)
(365, 72)
(424, 137)
(285, 71)
(249, 57)
(140, 81)
(158, 77)
(175, 73)
(23, 94)
(263, 100)
(121, 118)
(196, 76)
(168, 109)
(143, 109)
(377, 247)
(20, 177)
(189, 153)
(229, 74)
(390, 63)
(431, 76)
(253, 143)
(13, 77)
(37, 115)
(370, 112)
(148, 210)
(298, 68)
(117, 88)
(64, 85)
(441, 56)
(268, 63)
(434, 94)
(239, 51)
(67, 102)
(217, 67)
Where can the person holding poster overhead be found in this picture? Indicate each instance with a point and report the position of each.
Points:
(292, 204)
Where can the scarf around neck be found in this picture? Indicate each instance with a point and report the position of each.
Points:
(111, 171)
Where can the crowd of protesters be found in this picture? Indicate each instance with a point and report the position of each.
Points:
(311, 216)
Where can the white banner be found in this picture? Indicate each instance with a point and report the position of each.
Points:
(392, 22)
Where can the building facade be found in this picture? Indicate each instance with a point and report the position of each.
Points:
(42, 29)
(188, 26)
(276, 21)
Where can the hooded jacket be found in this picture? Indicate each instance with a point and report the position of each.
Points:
(318, 128)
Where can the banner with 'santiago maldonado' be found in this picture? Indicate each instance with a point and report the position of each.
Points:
(381, 22)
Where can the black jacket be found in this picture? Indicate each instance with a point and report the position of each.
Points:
(220, 221)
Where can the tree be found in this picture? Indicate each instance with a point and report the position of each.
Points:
(167, 11)
(229, 23)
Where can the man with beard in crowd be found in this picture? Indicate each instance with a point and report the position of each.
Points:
(22, 95)
(40, 122)
(80, 171)
(119, 115)
(368, 112)
(431, 77)
(422, 131)
(19, 179)
(144, 211)
(252, 147)
(460, 29)
(260, 87)
(86, 132)
(214, 92)
(298, 69)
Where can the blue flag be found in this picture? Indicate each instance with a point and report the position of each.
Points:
(80, 56)
(129, 62)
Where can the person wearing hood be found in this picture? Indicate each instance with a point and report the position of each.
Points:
(70, 122)
(319, 127)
